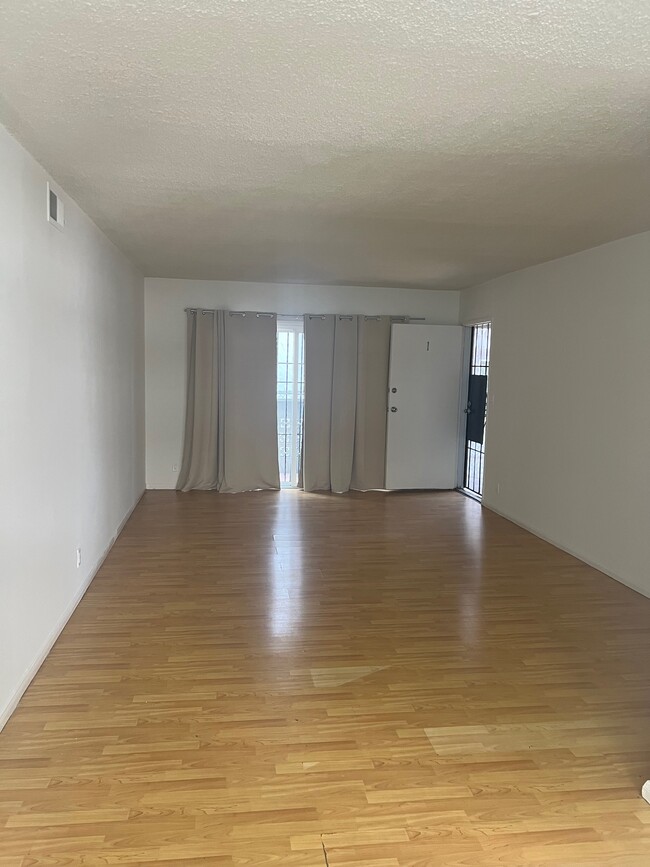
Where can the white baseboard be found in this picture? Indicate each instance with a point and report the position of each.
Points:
(644, 591)
(31, 672)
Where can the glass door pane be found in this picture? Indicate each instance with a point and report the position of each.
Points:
(290, 397)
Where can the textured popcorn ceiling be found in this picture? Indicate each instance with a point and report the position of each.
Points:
(377, 142)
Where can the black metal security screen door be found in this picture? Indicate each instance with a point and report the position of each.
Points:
(476, 410)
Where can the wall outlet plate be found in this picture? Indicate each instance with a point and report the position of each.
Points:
(78, 558)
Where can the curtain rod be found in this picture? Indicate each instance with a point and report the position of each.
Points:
(229, 312)
(352, 315)
(300, 315)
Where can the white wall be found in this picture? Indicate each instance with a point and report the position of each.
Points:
(569, 419)
(71, 420)
(165, 338)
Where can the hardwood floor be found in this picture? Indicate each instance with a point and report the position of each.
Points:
(367, 680)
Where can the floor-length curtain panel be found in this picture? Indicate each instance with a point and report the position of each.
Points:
(344, 399)
(369, 465)
(330, 398)
(317, 418)
(250, 402)
(202, 463)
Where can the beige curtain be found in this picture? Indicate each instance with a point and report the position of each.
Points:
(230, 441)
(202, 465)
(346, 383)
(344, 398)
(250, 403)
(317, 417)
(369, 465)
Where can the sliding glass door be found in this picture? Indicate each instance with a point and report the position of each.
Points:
(291, 398)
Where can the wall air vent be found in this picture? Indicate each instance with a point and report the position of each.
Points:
(54, 208)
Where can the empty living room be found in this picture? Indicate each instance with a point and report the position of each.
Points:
(324, 430)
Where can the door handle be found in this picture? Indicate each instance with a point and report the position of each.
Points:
(393, 409)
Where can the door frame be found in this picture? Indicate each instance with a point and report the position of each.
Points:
(462, 403)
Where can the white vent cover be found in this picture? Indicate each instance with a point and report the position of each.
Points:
(54, 208)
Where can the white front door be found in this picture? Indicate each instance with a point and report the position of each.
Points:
(423, 406)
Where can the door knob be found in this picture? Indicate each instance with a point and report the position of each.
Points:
(393, 409)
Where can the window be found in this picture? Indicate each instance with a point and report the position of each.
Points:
(291, 398)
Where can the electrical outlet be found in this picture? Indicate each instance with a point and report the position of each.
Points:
(78, 558)
(175, 468)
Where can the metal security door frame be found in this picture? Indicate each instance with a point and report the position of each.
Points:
(468, 369)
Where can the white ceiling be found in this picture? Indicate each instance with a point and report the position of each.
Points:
(372, 142)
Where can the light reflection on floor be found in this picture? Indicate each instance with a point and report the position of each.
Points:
(469, 610)
(287, 567)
